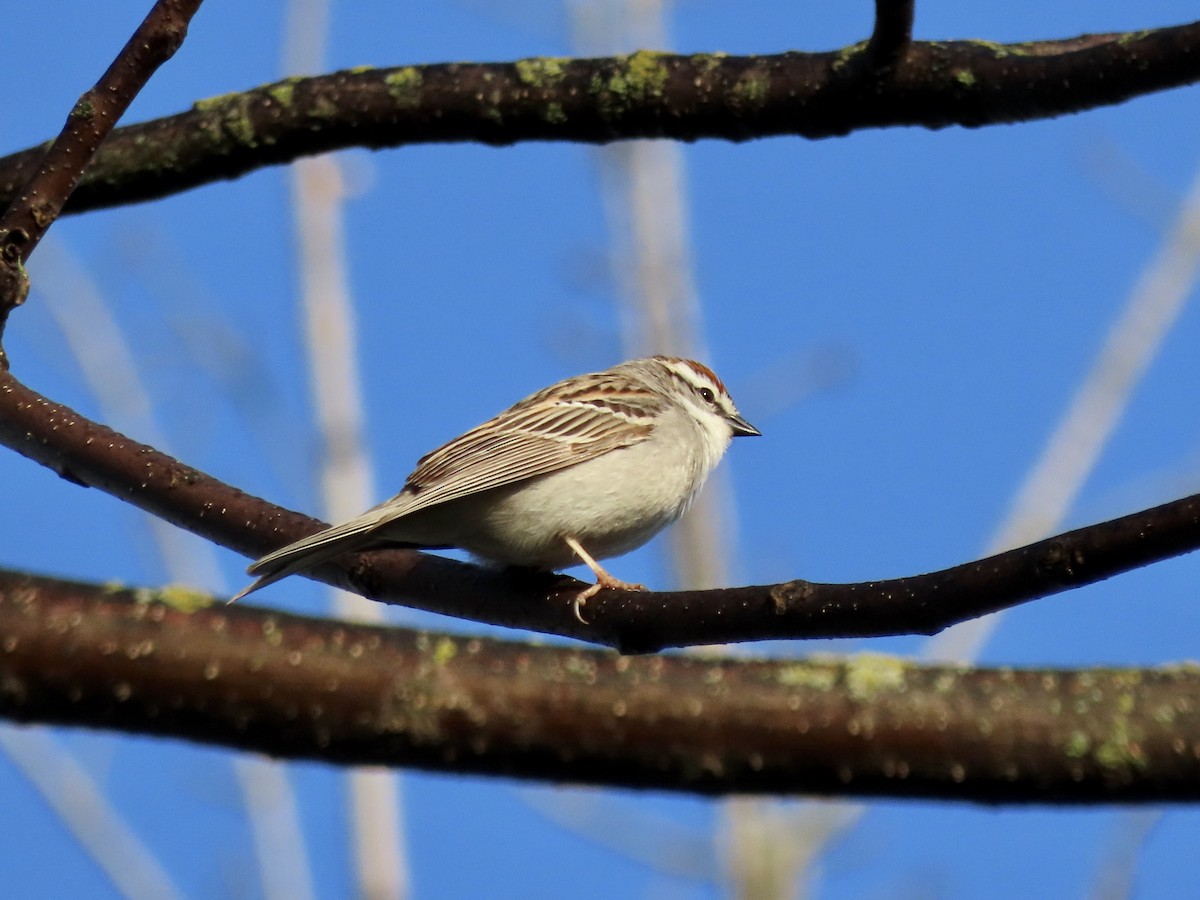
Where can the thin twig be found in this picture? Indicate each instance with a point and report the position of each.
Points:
(40, 200)
(892, 34)
(375, 835)
(1055, 481)
(107, 361)
(91, 817)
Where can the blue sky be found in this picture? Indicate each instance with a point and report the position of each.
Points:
(966, 279)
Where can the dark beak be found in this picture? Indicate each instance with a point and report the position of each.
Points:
(742, 428)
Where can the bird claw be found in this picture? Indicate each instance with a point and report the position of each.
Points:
(604, 581)
(577, 604)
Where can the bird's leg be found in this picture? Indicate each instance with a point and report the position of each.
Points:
(603, 580)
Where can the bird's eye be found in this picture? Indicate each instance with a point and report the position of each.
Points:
(707, 394)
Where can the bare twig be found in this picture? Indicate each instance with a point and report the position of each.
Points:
(106, 360)
(1054, 482)
(1122, 853)
(108, 364)
(893, 32)
(376, 834)
(40, 199)
(89, 815)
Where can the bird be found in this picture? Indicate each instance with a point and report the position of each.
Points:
(588, 468)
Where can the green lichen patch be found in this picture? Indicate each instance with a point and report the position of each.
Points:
(1121, 750)
(636, 80)
(870, 674)
(808, 675)
(282, 92)
(233, 112)
(444, 651)
(83, 110)
(177, 596)
(404, 86)
(707, 62)
(751, 90)
(541, 72)
(1078, 744)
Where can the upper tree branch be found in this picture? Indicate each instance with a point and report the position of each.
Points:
(93, 455)
(304, 688)
(885, 82)
(49, 176)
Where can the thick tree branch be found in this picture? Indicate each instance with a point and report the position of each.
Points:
(296, 687)
(51, 175)
(885, 82)
(95, 456)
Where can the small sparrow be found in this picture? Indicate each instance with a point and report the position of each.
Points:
(588, 468)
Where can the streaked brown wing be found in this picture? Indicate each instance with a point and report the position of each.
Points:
(537, 436)
(571, 422)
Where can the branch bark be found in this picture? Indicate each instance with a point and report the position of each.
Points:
(92, 455)
(893, 32)
(303, 688)
(888, 81)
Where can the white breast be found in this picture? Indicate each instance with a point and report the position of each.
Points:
(611, 504)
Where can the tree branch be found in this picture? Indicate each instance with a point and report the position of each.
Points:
(893, 32)
(646, 94)
(36, 205)
(92, 455)
(303, 688)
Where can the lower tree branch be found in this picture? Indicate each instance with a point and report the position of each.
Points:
(93, 455)
(302, 688)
